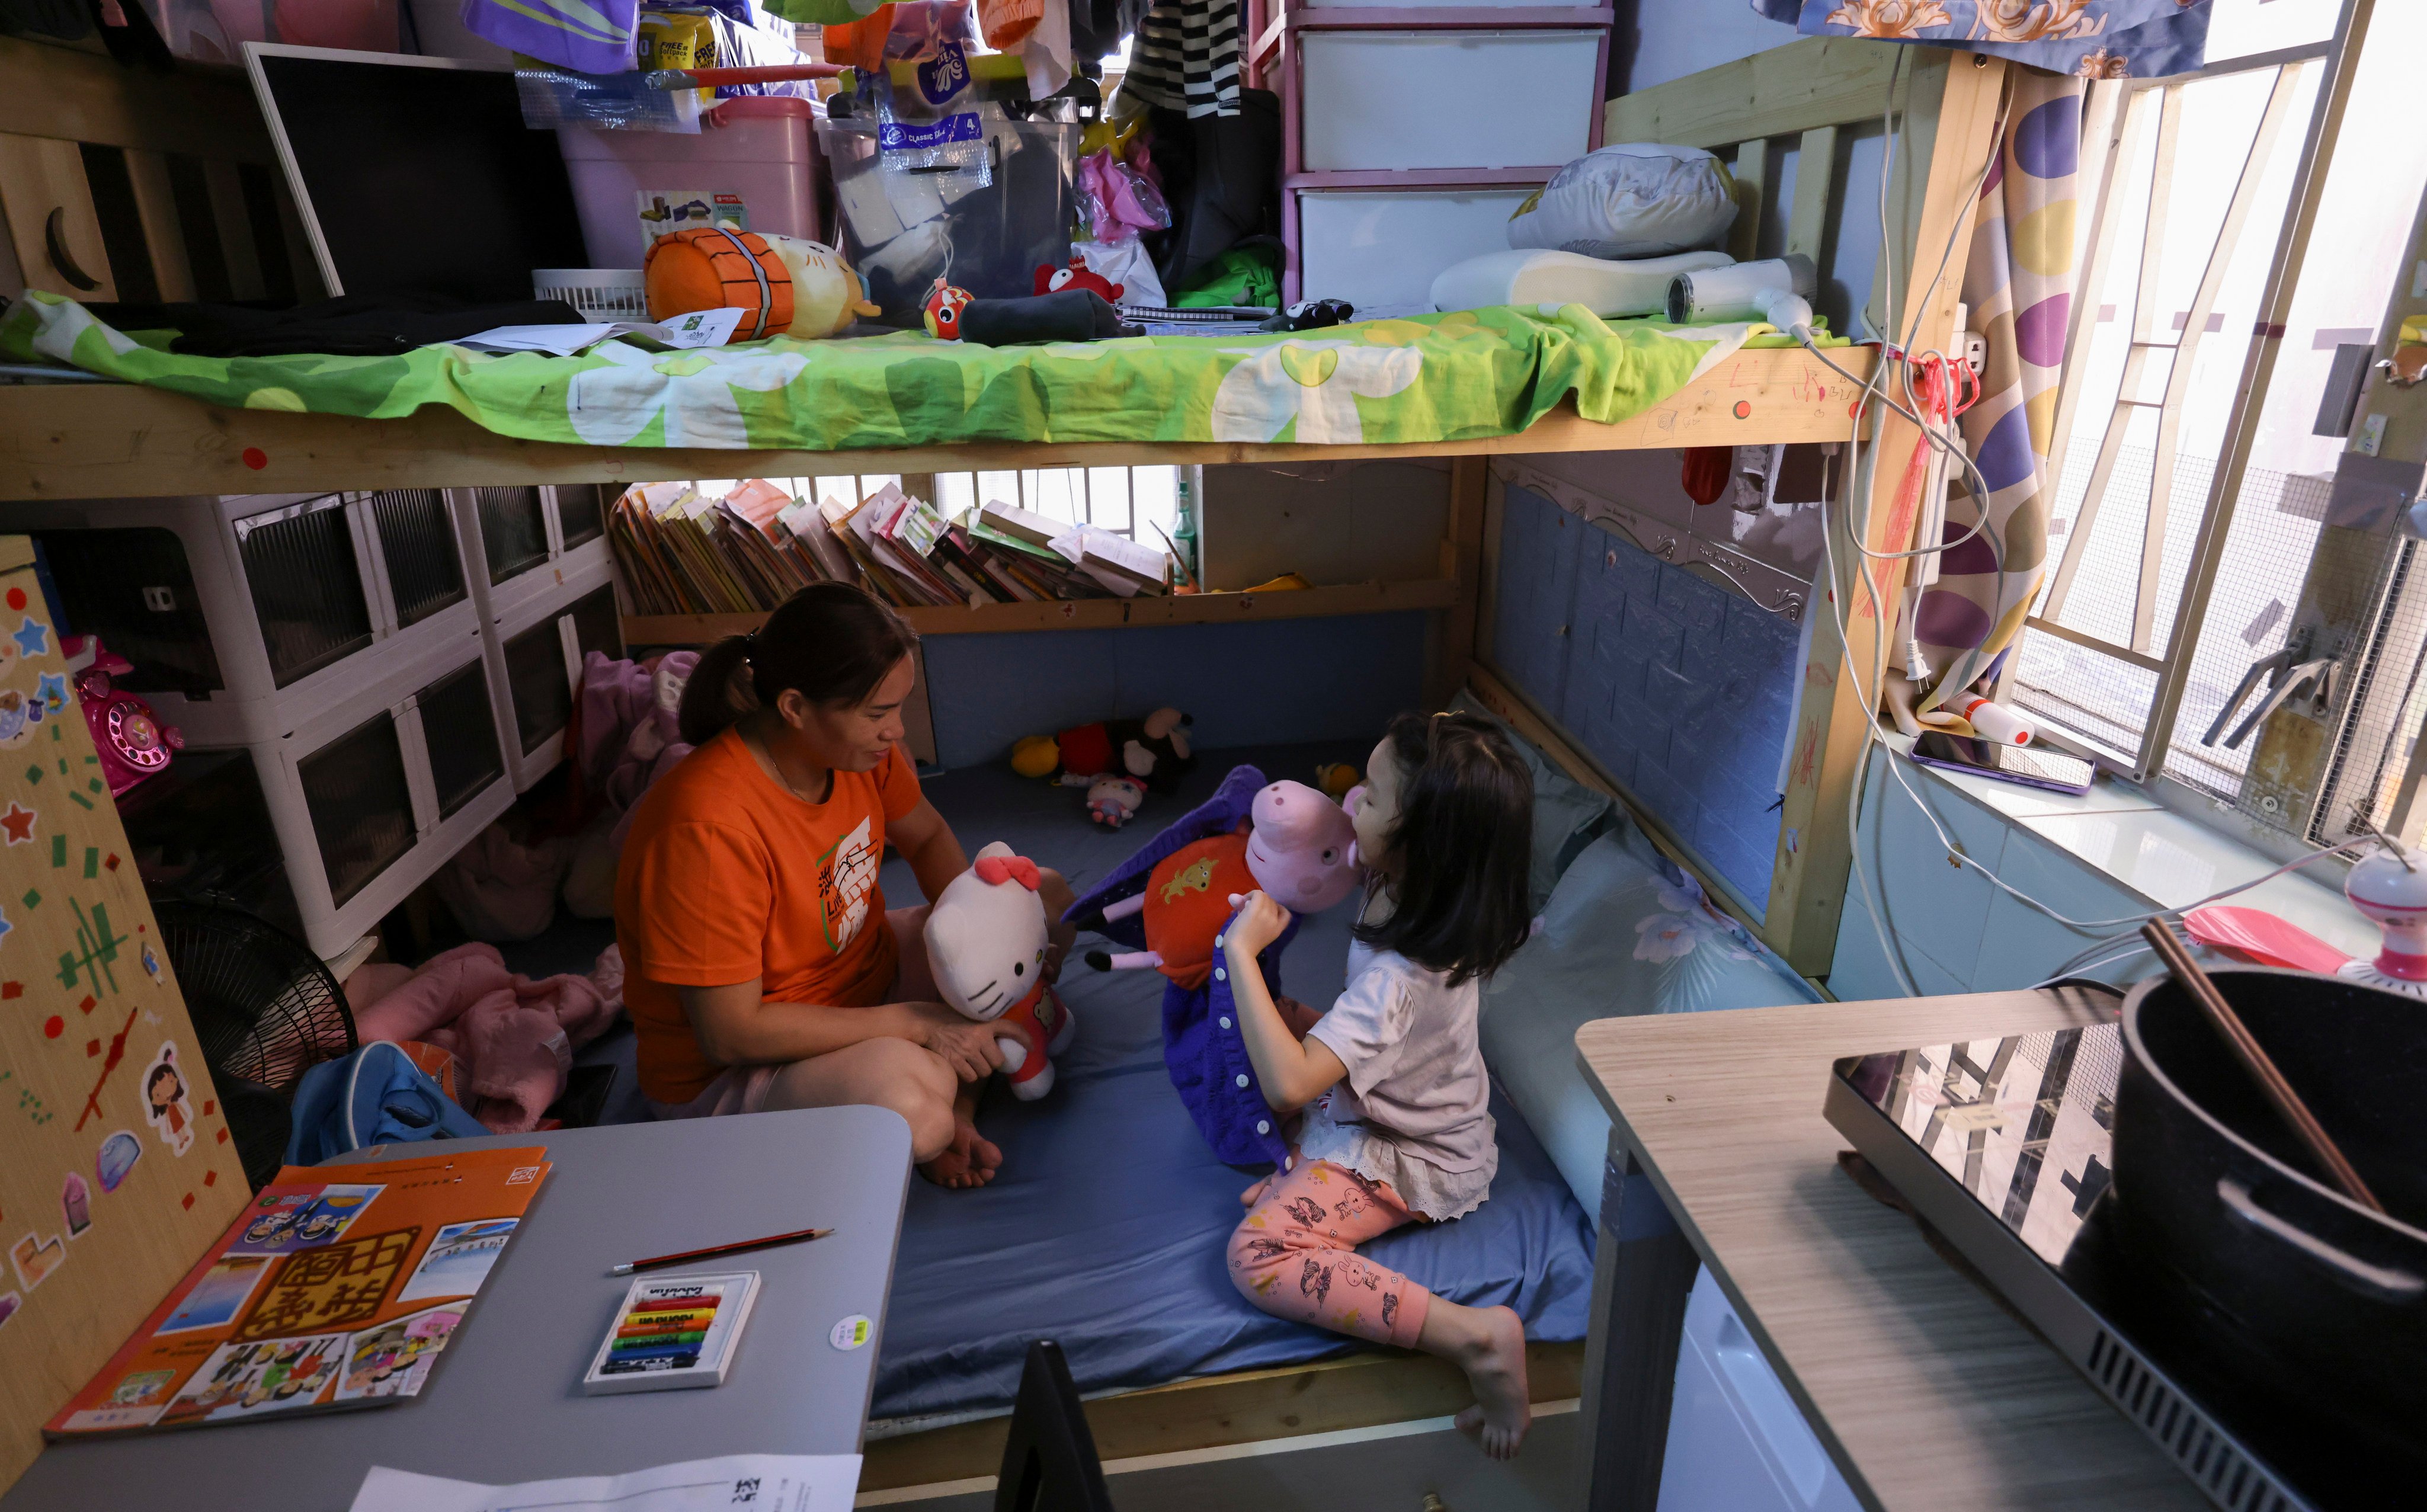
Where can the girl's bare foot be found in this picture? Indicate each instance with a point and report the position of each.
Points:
(970, 1160)
(1488, 1344)
(1254, 1193)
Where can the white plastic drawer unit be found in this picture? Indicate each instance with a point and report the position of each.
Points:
(524, 543)
(1446, 99)
(1736, 1442)
(249, 615)
(534, 656)
(1380, 248)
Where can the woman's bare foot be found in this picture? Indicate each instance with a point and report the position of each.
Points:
(1488, 1344)
(970, 1160)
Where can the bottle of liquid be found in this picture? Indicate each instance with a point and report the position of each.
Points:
(1183, 522)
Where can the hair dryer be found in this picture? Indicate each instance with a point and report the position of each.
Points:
(1778, 291)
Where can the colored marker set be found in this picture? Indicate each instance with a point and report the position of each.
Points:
(673, 1331)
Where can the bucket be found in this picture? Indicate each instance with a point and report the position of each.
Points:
(753, 164)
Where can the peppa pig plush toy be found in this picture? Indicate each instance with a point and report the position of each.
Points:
(985, 938)
(1172, 901)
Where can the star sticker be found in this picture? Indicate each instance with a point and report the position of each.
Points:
(33, 638)
(50, 690)
(18, 823)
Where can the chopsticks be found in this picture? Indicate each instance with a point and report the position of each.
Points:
(2254, 1060)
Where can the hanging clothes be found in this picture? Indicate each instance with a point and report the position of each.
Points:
(1186, 57)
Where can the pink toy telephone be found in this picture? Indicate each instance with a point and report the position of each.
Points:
(987, 940)
(133, 745)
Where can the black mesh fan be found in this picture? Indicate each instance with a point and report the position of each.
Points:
(265, 1011)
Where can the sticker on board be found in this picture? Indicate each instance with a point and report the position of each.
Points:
(76, 1205)
(36, 1258)
(164, 1099)
(10, 1303)
(115, 1157)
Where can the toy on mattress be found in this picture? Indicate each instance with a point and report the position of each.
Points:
(1171, 901)
(987, 939)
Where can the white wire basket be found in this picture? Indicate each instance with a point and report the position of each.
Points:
(599, 293)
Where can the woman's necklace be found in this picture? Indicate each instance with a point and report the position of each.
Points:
(766, 757)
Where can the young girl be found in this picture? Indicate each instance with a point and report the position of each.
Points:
(1397, 1128)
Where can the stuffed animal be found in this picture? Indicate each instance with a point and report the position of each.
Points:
(1079, 276)
(1154, 750)
(941, 314)
(1113, 801)
(789, 286)
(1336, 778)
(1281, 836)
(987, 940)
(1297, 846)
(1067, 313)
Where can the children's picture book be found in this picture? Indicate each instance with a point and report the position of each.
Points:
(337, 1285)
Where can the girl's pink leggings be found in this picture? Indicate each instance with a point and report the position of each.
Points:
(1294, 1254)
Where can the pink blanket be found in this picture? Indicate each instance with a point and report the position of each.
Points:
(512, 1038)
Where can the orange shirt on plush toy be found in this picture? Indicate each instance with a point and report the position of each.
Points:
(1188, 900)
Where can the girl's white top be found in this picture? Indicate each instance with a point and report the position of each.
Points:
(1415, 1108)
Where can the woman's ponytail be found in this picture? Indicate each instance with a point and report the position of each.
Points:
(831, 642)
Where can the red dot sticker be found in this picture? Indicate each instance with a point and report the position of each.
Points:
(11, 990)
(1744, 409)
(189, 1201)
(91, 1048)
(54, 1027)
(255, 457)
(210, 1179)
(223, 1136)
(16, 598)
(210, 1106)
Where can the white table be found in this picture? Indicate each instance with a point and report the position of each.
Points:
(505, 1403)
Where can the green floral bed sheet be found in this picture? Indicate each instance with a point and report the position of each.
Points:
(1427, 378)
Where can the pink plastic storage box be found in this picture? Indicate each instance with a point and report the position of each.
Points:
(754, 162)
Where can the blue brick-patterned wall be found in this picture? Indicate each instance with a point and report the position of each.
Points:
(1681, 689)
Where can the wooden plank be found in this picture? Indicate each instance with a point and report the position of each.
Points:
(1953, 110)
(40, 178)
(1091, 613)
(1815, 81)
(1816, 183)
(1461, 558)
(95, 441)
(1248, 1407)
(90, 1008)
(1919, 1384)
(235, 224)
(75, 96)
(164, 235)
(1752, 179)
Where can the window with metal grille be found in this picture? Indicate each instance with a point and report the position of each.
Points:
(514, 532)
(425, 567)
(2241, 239)
(535, 677)
(1140, 503)
(461, 732)
(306, 586)
(580, 512)
(361, 809)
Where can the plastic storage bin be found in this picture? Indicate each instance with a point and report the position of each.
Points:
(900, 231)
(249, 615)
(1736, 1442)
(535, 655)
(525, 544)
(1446, 99)
(374, 794)
(754, 161)
(1380, 248)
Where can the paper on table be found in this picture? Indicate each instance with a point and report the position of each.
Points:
(763, 1483)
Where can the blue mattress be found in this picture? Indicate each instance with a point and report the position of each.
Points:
(1105, 1230)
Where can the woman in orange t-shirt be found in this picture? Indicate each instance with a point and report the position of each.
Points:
(761, 967)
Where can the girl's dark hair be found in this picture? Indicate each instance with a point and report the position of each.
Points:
(1465, 844)
(830, 642)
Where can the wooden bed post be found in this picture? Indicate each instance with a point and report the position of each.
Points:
(1951, 104)
(1461, 564)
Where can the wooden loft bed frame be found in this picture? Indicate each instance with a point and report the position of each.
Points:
(60, 109)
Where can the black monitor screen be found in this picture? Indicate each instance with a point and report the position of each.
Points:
(423, 180)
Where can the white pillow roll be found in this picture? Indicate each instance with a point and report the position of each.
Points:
(1630, 200)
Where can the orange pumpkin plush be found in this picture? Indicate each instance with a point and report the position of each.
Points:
(711, 267)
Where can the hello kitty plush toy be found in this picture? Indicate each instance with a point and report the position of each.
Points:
(985, 938)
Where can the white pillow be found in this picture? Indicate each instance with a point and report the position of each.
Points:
(1630, 200)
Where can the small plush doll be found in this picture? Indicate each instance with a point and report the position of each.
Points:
(942, 312)
(1154, 750)
(987, 940)
(1078, 276)
(1113, 801)
(1172, 899)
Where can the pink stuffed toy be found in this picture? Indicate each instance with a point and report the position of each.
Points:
(987, 940)
(1112, 802)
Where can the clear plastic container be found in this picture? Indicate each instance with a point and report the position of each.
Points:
(903, 230)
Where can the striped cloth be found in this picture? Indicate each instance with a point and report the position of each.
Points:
(1186, 57)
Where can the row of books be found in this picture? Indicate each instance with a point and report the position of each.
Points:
(685, 552)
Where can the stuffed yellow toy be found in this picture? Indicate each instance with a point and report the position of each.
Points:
(782, 285)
